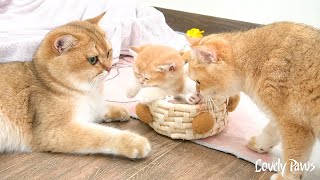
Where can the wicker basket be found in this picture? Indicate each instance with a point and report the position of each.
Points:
(175, 120)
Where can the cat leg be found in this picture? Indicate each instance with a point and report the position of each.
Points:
(297, 143)
(89, 138)
(133, 89)
(116, 113)
(150, 94)
(233, 102)
(193, 98)
(178, 99)
(268, 138)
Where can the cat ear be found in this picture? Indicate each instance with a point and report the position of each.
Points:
(204, 56)
(192, 40)
(64, 43)
(167, 67)
(134, 50)
(96, 19)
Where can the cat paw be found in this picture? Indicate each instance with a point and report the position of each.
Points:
(171, 99)
(134, 146)
(193, 98)
(276, 177)
(131, 93)
(289, 176)
(117, 113)
(257, 146)
(145, 100)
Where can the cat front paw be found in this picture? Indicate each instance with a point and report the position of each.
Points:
(257, 146)
(276, 177)
(287, 176)
(134, 146)
(145, 100)
(131, 93)
(116, 113)
(193, 98)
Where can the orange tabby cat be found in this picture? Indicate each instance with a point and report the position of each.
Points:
(49, 104)
(278, 67)
(159, 72)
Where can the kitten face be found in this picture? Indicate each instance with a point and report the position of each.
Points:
(210, 65)
(158, 66)
(77, 53)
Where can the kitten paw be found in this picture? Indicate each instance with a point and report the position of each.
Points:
(145, 100)
(131, 93)
(117, 113)
(134, 146)
(171, 99)
(193, 98)
(257, 146)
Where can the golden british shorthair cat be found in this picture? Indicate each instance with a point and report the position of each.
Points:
(159, 71)
(51, 103)
(278, 67)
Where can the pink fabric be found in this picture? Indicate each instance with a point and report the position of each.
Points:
(117, 83)
(242, 125)
(246, 121)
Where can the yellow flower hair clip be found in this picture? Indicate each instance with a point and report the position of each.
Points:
(195, 33)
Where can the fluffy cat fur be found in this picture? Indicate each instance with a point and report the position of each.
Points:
(159, 71)
(51, 103)
(278, 67)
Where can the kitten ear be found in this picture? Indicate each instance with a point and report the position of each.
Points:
(167, 67)
(96, 19)
(134, 50)
(204, 56)
(64, 43)
(192, 40)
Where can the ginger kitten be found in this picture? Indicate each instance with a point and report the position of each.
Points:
(159, 71)
(51, 103)
(278, 67)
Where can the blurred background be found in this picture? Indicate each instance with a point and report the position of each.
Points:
(254, 11)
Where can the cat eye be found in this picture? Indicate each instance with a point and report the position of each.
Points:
(109, 52)
(93, 60)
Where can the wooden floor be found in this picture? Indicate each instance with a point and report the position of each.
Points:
(170, 159)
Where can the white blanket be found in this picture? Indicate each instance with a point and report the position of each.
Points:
(23, 24)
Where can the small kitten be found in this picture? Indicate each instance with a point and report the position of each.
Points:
(159, 72)
(50, 104)
(278, 67)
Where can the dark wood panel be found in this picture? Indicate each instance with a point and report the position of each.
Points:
(183, 21)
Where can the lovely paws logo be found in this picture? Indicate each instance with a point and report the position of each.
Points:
(294, 166)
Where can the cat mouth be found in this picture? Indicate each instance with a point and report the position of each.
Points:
(103, 75)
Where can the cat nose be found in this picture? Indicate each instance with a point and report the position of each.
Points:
(108, 69)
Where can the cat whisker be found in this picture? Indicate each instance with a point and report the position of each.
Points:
(95, 82)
